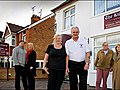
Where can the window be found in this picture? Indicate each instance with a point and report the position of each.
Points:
(13, 40)
(55, 27)
(24, 36)
(111, 4)
(3, 62)
(39, 64)
(111, 39)
(101, 6)
(99, 41)
(69, 17)
(98, 45)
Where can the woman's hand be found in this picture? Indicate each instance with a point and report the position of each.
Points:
(67, 71)
(46, 70)
(31, 67)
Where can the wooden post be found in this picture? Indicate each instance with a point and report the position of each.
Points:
(8, 68)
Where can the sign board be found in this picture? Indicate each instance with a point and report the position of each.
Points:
(1, 33)
(112, 20)
(4, 49)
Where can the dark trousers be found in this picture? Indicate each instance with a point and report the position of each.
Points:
(77, 69)
(31, 82)
(55, 79)
(20, 72)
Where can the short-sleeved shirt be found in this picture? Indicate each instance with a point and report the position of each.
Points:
(57, 58)
(76, 50)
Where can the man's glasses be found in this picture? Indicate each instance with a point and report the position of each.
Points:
(105, 45)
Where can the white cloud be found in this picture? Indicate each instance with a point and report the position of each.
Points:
(20, 12)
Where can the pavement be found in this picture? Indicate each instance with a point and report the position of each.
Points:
(40, 84)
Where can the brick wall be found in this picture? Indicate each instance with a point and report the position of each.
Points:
(27, 35)
(11, 50)
(20, 36)
(27, 38)
(17, 39)
(41, 36)
(3, 74)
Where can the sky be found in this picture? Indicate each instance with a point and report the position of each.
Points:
(20, 12)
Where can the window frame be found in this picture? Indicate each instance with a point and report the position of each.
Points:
(69, 17)
(100, 12)
(110, 8)
(106, 7)
(24, 36)
(106, 36)
(14, 40)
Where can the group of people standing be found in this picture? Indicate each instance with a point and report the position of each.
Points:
(73, 60)
(108, 61)
(25, 66)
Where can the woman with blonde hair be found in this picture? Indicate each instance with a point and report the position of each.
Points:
(31, 66)
(55, 55)
(116, 69)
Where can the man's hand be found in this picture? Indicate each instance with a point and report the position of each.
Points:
(111, 69)
(86, 67)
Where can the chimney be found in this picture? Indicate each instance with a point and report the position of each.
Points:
(35, 18)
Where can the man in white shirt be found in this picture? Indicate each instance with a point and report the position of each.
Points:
(77, 61)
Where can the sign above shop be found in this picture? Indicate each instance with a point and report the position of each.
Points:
(112, 20)
(4, 49)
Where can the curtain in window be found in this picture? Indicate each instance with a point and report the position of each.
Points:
(69, 18)
(99, 6)
(111, 4)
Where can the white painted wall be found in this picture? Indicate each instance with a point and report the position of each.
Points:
(8, 40)
(97, 28)
(97, 24)
(82, 18)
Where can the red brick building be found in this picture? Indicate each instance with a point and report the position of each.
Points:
(10, 36)
(40, 32)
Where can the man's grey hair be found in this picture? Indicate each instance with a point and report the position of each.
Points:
(75, 28)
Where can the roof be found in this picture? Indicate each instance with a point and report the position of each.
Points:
(35, 16)
(14, 28)
(32, 25)
(67, 2)
(1, 33)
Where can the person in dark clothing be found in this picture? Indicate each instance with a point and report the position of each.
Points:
(31, 66)
(56, 57)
